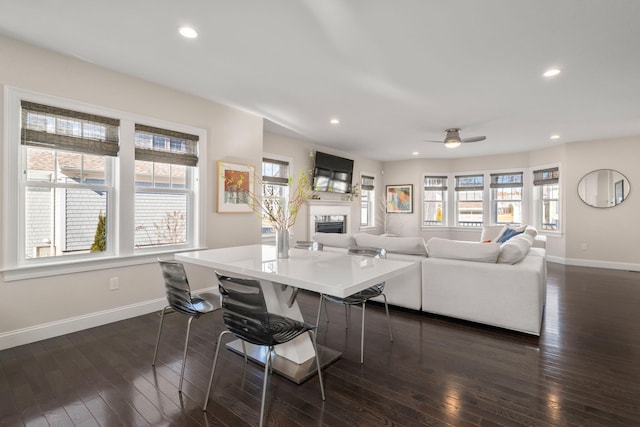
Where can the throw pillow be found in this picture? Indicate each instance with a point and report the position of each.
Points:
(509, 232)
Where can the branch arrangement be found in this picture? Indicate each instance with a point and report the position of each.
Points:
(268, 203)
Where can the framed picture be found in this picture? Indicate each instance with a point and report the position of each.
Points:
(235, 183)
(400, 198)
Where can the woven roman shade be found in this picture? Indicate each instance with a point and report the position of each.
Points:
(275, 172)
(503, 180)
(367, 183)
(546, 176)
(435, 183)
(166, 146)
(469, 183)
(56, 128)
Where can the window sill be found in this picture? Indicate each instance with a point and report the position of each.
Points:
(79, 266)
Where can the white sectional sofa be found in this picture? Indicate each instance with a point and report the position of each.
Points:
(502, 285)
(403, 290)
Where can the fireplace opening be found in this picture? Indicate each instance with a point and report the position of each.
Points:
(330, 224)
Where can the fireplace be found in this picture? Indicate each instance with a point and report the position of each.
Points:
(328, 216)
(330, 223)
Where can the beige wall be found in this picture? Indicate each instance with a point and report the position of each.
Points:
(612, 234)
(27, 305)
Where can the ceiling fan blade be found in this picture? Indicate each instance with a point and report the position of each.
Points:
(474, 139)
(439, 142)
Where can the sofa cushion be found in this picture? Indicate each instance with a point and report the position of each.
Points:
(524, 236)
(339, 240)
(399, 245)
(514, 250)
(531, 231)
(462, 250)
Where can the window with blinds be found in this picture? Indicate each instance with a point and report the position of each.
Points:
(275, 187)
(68, 186)
(90, 183)
(469, 200)
(506, 197)
(165, 160)
(546, 182)
(367, 201)
(54, 128)
(435, 201)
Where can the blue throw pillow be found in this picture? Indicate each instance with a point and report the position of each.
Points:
(508, 233)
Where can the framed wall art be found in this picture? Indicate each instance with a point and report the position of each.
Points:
(400, 198)
(235, 184)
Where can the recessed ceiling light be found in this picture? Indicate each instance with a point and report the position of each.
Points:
(188, 32)
(555, 136)
(552, 72)
(415, 153)
(334, 121)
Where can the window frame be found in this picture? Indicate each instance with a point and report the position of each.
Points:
(477, 189)
(122, 225)
(170, 158)
(539, 200)
(495, 186)
(370, 201)
(270, 236)
(444, 196)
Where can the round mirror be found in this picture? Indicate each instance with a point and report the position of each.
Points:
(604, 188)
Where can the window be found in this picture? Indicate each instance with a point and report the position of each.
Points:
(548, 192)
(67, 184)
(506, 194)
(435, 200)
(367, 201)
(469, 205)
(164, 164)
(85, 186)
(275, 188)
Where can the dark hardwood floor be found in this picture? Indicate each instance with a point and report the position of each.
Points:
(584, 370)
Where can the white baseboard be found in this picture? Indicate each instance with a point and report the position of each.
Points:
(79, 323)
(595, 263)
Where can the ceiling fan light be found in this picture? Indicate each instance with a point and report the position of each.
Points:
(452, 143)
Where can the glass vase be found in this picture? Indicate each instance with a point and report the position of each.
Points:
(282, 243)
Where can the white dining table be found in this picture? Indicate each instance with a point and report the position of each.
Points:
(330, 273)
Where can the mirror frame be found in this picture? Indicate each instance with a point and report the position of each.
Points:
(614, 202)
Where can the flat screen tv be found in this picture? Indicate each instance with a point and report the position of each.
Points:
(332, 174)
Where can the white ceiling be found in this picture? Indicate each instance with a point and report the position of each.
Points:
(395, 73)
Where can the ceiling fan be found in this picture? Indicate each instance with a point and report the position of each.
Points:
(453, 140)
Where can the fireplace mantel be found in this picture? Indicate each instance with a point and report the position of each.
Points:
(328, 208)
